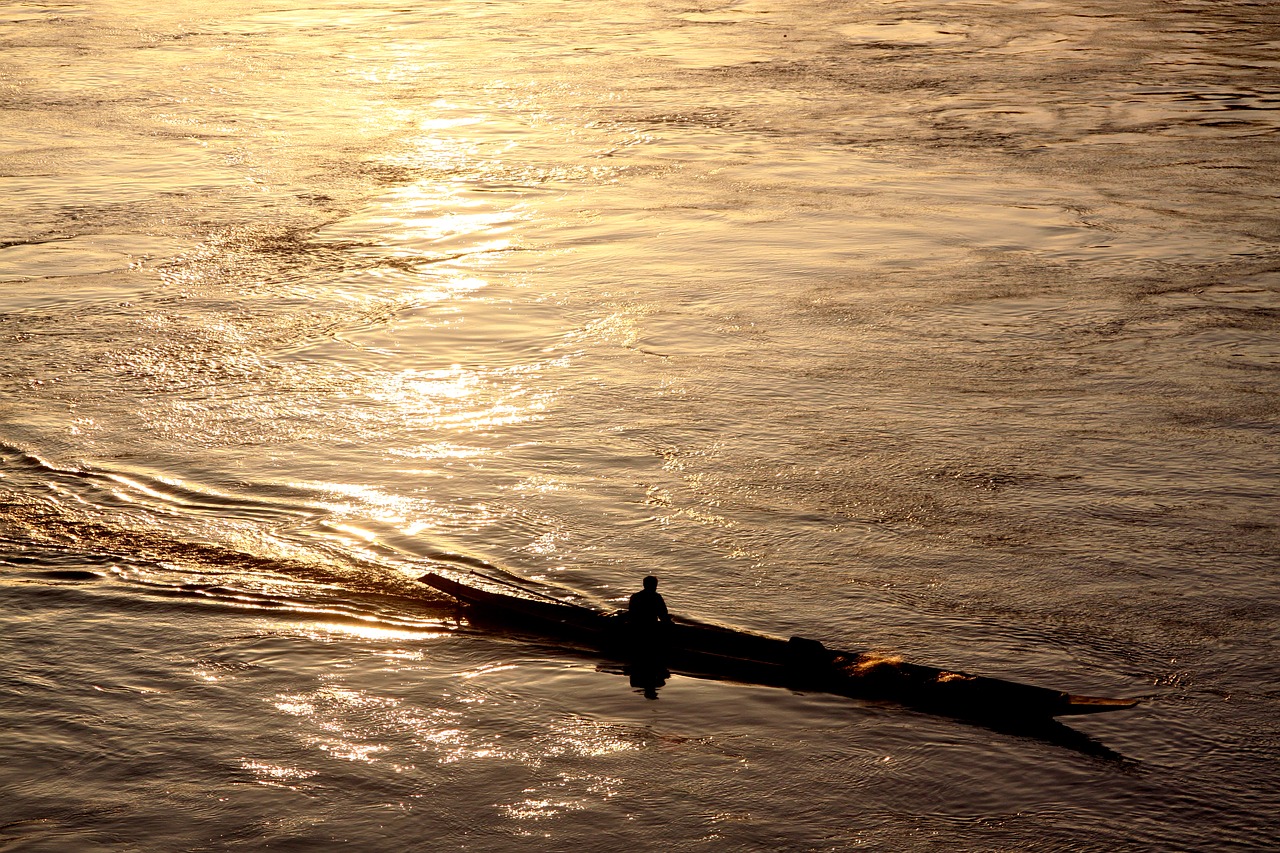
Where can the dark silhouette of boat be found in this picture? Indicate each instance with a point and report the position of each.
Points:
(712, 651)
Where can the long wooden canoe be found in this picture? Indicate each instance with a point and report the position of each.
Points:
(798, 663)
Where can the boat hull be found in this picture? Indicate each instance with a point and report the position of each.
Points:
(797, 663)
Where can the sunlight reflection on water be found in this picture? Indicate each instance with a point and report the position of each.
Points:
(948, 329)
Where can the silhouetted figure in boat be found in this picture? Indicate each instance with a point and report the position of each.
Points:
(647, 621)
(646, 608)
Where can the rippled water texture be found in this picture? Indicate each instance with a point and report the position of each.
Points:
(943, 329)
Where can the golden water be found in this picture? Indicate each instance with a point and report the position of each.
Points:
(947, 329)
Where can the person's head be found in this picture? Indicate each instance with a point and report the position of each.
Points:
(650, 582)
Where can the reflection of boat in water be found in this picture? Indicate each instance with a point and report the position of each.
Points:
(712, 651)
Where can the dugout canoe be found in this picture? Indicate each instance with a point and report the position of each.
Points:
(798, 663)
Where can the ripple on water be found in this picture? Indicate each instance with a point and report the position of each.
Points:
(902, 33)
(939, 332)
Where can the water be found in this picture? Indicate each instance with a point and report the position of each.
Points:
(947, 329)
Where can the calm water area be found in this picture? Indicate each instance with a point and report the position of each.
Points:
(942, 329)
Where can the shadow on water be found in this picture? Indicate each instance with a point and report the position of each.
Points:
(1060, 735)
(647, 678)
(647, 675)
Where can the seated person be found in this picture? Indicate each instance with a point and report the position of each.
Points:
(646, 607)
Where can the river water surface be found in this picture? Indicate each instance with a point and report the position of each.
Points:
(947, 329)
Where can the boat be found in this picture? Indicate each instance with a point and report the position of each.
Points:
(693, 648)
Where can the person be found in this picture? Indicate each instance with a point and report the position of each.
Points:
(647, 621)
(646, 607)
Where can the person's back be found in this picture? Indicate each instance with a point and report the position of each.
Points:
(647, 607)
